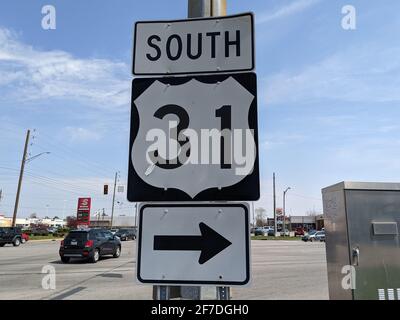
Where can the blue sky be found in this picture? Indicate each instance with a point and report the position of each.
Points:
(329, 98)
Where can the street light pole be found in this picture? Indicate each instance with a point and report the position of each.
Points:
(284, 211)
(274, 200)
(113, 200)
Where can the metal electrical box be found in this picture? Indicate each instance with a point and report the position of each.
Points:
(362, 222)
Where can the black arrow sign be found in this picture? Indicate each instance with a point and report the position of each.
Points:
(210, 243)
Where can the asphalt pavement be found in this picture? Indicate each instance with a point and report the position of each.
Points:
(280, 270)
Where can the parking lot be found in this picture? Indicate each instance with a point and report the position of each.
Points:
(280, 270)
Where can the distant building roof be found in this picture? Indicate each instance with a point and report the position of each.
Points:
(302, 219)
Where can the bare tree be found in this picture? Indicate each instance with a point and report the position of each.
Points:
(312, 213)
(72, 222)
(260, 217)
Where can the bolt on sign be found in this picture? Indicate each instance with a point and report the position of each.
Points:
(83, 212)
(201, 45)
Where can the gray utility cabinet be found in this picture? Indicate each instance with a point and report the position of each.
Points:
(361, 222)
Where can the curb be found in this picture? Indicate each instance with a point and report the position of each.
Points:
(43, 240)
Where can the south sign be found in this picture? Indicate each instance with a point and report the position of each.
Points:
(206, 45)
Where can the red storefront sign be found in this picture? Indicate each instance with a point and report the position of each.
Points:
(83, 212)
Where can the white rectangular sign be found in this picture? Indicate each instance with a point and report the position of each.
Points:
(204, 45)
(193, 244)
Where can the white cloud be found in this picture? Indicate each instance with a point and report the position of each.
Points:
(364, 73)
(28, 74)
(293, 8)
(82, 134)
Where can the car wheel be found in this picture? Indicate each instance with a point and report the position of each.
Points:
(16, 242)
(2, 244)
(311, 240)
(117, 252)
(65, 259)
(96, 256)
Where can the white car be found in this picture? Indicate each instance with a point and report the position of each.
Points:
(262, 231)
(317, 236)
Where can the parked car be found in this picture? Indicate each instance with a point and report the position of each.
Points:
(39, 231)
(24, 238)
(286, 234)
(262, 231)
(10, 235)
(271, 232)
(307, 235)
(314, 235)
(126, 234)
(318, 236)
(89, 244)
(299, 232)
(113, 230)
(52, 230)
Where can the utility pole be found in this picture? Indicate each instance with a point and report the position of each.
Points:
(136, 212)
(274, 201)
(21, 174)
(284, 211)
(113, 199)
(252, 209)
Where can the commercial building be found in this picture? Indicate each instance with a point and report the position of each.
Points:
(305, 222)
(26, 222)
(119, 221)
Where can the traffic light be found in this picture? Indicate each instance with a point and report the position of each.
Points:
(106, 189)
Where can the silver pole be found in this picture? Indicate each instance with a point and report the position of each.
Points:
(274, 196)
(284, 211)
(113, 199)
(197, 9)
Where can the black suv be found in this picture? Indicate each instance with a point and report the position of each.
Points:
(89, 244)
(126, 234)
(10, 235)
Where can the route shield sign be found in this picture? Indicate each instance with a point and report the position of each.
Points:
(194, 139)
(193, 244)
